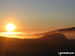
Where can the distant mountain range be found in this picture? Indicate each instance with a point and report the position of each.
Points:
(67, 29)
(68, 32)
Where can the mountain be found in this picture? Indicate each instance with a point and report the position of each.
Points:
(54, 37)
(67, 29)
(68, 32)
(44, 46)
(48, 45)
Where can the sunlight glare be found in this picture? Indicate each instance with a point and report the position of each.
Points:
(10, 27)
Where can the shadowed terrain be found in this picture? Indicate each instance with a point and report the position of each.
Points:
(49, 44)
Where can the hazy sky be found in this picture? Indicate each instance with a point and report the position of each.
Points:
(37, 15)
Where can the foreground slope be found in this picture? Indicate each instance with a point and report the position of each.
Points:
(45, 46)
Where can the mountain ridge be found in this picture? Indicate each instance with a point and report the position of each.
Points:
(68, 32)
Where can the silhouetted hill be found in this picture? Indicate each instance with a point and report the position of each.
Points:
(67, 29)
(48, 45)
(68, 32)
(54, 37)
(45, 46)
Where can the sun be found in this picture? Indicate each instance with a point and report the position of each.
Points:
(10, 27)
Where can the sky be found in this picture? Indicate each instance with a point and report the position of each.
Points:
(37, 15)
